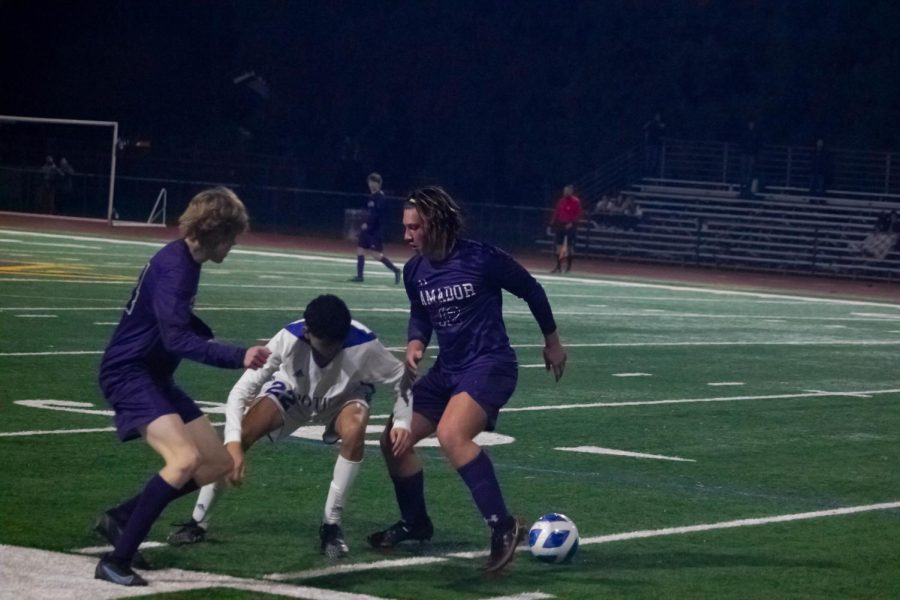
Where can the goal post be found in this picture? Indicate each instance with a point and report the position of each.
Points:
(113, 125)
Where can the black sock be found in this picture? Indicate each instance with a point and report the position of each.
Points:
(387, 262)
(360, 264)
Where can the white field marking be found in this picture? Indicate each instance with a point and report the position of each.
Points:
(537, 366)
(732, 343)
(26, 316)
(649, 533)
(20, 254)
(55, 432)
(679, 315)
(613, 452)
(561, 280)
(65, 406)
(723, 383)
(356, 567)
(79, 246)
(894, 331)
(632, 375)
(103, 549)
(859, 394)
(485, 438)
(106, 322)
(851, 395)
(894, 316)
(834, 327)
(32, 573)
(271, 276)
(524, 596)
(57, 353)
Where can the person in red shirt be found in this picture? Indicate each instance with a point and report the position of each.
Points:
(564, 225)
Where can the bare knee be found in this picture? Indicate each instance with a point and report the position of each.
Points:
(353, 442)
(184, 463)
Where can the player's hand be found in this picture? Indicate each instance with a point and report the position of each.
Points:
(236, 475)
(554, 355)
(415, 350)
(256, 357)
(401, 441)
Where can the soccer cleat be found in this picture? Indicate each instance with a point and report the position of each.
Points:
(333, 544)
(113, 572)
(189, 532)
(400, 532)
(356, 279)
(505, 537)
(111, 529)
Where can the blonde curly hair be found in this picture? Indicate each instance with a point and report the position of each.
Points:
(214, 215)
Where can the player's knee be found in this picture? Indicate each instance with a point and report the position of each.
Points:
(186, 462)
(450, 437)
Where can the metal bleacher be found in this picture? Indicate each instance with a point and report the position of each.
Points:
(696, 216)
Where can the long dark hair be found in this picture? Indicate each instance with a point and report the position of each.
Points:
(442, 216)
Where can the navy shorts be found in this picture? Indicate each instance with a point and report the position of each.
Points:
(491, 384)
(138, 399)
(562, 234)
(369, 241)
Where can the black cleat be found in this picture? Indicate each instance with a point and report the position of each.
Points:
(356, 279)
(400, 532)
(333, 544)
(505, 537)
(111, 529)
(187, 533)
(113, 572)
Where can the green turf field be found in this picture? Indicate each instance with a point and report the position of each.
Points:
(769, 427)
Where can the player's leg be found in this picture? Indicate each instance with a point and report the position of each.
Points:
(378, 254)
(350, 425)
(170, 438)
(408, 478)
(464, 418)
(360, 263)
(570, 242)
(263, 417)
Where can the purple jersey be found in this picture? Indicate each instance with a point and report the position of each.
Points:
(159, 328)
(460, 298)
(374, 213)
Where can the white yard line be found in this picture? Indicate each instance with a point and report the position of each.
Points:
(397, 563)
(626, 453)
(27, 316)
(632, 375)
(28, 573)
(55, 431)
(725, 383)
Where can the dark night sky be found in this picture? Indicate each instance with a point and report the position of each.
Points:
(494, 96)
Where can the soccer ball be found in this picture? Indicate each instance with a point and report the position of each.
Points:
(553, 538)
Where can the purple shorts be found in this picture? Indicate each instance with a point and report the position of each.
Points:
(491, 384)
(138, 399)
(368, 241)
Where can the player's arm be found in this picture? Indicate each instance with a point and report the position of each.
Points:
(386, 369)
(514, 278)
(419, 330)
(185, 335)
(242, 394)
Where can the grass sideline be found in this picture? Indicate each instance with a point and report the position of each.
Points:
(809, 421)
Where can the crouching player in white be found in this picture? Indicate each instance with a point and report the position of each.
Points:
(322, 370)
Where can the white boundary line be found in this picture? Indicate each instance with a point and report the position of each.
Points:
(547, 278)
(612, 452)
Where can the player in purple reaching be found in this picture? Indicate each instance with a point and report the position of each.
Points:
(156, 331)
(454, 287)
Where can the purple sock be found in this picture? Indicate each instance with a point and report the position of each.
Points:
(410, 493)
(387, 262)
(122, 512)
(360, 263)
(156, 495)
(479, 476)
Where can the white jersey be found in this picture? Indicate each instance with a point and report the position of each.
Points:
(309, 392)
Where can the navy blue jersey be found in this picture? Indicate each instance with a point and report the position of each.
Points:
(460, 298)
(159, 328)
(374, 213)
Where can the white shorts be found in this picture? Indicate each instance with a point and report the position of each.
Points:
(305, 410)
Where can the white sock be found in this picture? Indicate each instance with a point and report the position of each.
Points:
(344, 473)
(205, 501)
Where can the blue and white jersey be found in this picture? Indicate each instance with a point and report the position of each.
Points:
(460, 298)
(314, 390)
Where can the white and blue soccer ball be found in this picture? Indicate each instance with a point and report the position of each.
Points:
(553, 538)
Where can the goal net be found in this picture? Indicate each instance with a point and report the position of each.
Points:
(63, 167)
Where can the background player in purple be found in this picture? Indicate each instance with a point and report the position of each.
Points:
(370, 233)
(157, 330)
(455, 289)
